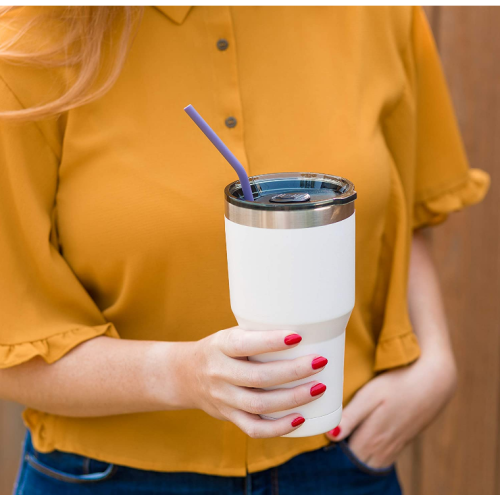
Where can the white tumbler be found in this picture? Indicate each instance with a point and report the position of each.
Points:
(290, 260)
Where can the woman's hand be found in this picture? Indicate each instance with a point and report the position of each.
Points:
(394, 407)
(220, 380)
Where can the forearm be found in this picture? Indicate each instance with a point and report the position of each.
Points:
(107, 376)
(426, 305)
(101, 377)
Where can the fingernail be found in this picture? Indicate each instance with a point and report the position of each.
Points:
(335, 432)
(318, 389)
(298, 421)
(319, 362)
(292, 339)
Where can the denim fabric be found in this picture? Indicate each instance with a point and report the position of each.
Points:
(330, 470)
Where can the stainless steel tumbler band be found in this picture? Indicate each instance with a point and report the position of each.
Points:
(271, 219)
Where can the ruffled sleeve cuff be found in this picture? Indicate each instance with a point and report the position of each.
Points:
(434, 208)
(52, 348)
(396, 351)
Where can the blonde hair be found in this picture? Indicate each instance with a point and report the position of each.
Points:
(87, 32)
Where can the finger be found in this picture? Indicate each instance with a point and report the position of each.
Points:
(271, 373)
(240, 343)
(260, 402)
(257, 427)
(362, 404)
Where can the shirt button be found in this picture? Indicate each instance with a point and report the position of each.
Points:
(231, 122)
(222, 44)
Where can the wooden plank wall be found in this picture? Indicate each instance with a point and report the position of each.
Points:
(11, 436)
(460, 452)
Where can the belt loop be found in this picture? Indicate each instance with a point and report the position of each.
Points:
(248, 484)
(275, 483)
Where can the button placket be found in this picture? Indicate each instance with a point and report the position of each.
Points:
(227, 96)
(227, 104)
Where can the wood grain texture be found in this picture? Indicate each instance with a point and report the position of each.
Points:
(460, 450)
(408, 468)
(11, 437)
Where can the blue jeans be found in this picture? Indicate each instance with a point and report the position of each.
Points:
(329, 470)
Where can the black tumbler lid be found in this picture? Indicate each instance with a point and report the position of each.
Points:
(292, 191)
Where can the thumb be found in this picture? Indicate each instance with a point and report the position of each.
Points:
(361, 405)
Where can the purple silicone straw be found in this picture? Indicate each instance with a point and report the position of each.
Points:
(223, 150)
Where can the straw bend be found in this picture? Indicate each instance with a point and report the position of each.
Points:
(223, 150)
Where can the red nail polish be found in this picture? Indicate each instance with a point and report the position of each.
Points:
(292, 339)
(297, 421)
(318, 389)
(335, 432)
(319, 362)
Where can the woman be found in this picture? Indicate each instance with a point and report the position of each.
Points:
(116, 323)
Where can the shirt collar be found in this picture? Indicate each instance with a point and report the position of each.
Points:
(176, 13)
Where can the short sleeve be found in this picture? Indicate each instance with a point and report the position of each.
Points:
(443, 180)
(44, 310)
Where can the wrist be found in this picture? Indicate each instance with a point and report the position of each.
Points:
(441, 364)
(438, 358)
(165, 375)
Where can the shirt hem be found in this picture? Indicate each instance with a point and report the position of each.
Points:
(179, 466)
(285, 457)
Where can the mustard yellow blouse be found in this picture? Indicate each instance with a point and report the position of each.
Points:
(106, 227)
